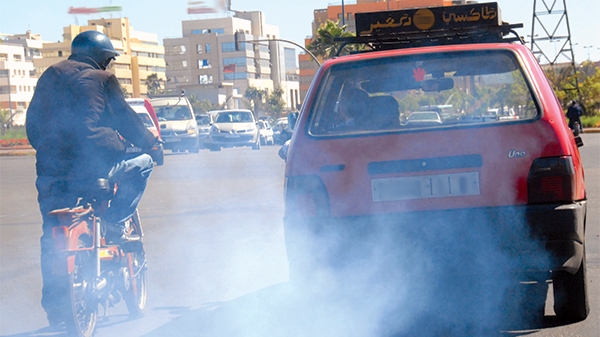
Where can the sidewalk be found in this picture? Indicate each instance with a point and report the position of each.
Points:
(17, 151)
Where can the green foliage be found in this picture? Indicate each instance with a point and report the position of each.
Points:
(590, 121)
(6, 120)
(564, 83)
(323, 44)
(14, 133)
(125, 92)
(202, 106)
(154, 85)
(264, 103)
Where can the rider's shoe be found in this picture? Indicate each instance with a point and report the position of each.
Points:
(116, 233)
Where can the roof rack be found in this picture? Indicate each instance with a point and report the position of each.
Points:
(431, 26)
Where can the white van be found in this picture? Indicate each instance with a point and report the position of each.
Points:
(178, 127)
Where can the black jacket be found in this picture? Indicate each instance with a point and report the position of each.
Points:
(73, 120)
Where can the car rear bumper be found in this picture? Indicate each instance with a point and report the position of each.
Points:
(180, 142)
(239, 140)
(522, 238)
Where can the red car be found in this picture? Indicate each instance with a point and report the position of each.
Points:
(144, 109)
(472, 192)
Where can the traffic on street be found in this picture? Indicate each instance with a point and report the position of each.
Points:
(217, 263)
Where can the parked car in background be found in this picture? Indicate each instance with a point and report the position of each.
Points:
(144, 109)
(203, 121)
(266, 133)
(233, 128)
(177, 123)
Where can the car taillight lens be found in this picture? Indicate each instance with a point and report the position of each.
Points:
(305, 196)
(551, 179)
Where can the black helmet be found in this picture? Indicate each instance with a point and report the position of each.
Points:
(94, 45)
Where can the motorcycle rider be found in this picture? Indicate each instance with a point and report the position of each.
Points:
(574, 113)
(76, 122)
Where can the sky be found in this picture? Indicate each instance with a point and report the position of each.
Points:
(163, 17)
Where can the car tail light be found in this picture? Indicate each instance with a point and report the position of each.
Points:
(551, 179)
(305, 196)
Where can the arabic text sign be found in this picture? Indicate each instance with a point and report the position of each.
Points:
(431, 18)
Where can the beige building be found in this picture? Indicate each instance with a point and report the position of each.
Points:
(17, 81)
(206, 63)
(140, 52)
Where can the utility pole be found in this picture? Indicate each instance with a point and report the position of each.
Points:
(551, 19)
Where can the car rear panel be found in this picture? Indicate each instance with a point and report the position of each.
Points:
(466, 166)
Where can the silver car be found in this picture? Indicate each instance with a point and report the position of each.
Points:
(233, 128)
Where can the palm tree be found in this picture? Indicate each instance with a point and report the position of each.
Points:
(154, 84)
(255, 96)
(323, 44)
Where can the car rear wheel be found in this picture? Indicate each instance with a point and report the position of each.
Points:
(570, 294)
(256, 146)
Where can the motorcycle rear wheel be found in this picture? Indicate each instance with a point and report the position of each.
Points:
(81, 311)
(135, 289)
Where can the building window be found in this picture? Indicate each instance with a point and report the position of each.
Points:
(238, 61)
(207, 48)
(17, 58)
(20, 105)
(3, 57)
(228, 46)
(3, 73)
(177, 50)
(125, 80)
(60, 54)
(218, 31)
(203, 64)
(235, 76)
(205, 79)
(199, 48)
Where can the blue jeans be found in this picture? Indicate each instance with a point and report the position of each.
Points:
(57, 192)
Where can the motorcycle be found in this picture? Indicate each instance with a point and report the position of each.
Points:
(95, 270)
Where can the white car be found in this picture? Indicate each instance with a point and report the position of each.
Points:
(144, 109)
(233, 128)
(266, 133)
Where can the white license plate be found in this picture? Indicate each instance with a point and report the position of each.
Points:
(421, 187)
(172, 139)
(133, 150)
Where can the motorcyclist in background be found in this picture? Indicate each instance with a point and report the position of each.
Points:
(76, 122)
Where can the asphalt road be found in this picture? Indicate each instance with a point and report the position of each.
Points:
(213, 225)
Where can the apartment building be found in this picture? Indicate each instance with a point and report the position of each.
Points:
(17, 80)
(205, 61)
(344, 15)
(141, 55)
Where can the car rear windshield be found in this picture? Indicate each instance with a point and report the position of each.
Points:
(234, 117)
(173, 112)
(434, 90)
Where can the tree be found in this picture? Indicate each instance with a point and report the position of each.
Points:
(255, 96)
(588, 77)
(154, 84)
(275, 103)
(202, 106)
(6, 120)
(124, 91)
(323, 44)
